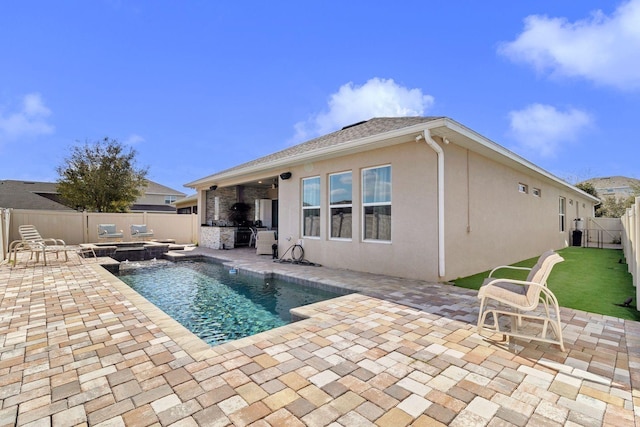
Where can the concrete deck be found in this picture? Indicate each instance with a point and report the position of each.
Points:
(78, 347)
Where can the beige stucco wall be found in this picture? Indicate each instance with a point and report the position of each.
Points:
(413, 250)
(487, 220)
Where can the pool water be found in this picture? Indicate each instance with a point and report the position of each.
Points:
(214, 304)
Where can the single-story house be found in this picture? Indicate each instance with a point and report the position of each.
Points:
(414, 197)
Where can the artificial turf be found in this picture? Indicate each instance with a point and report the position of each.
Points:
(589, 279)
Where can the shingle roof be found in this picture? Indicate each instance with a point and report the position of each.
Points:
(155, 188)
(30, 195)
(44, 195)
(375, 126)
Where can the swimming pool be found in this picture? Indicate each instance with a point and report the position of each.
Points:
(214, 304)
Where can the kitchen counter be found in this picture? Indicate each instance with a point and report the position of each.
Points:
(215, 237)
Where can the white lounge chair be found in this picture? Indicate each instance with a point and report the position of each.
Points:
(109, 232)
(32, 241)
(521, 300)
(265, 241)
(140, 231)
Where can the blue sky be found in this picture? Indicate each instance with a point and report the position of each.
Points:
(196, 87)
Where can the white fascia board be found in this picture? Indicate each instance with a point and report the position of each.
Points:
(508, 155)
(369, 142)
(404, 134)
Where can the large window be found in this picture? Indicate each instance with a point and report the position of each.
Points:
(376, 203)
(311, 207)
(340, 204)
(562, 211)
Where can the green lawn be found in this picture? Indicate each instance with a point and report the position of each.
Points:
(593, 280)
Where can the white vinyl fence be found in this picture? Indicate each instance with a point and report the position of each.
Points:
(630, 242)
(82, 227)
(601, 232)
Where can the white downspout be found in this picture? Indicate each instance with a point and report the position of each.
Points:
(440, 155)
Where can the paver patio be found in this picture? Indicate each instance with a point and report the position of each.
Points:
(78, 347)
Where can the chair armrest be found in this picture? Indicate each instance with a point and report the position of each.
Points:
(55, 242)
(513, 281)
(510, 267)
(14, 244)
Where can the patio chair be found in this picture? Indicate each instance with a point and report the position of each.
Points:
(520, 300)
(254, 235)
(109, 232)
(32, 241)
(140, 231)
(264, 241)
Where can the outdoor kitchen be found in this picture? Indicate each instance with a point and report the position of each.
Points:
(233, 214)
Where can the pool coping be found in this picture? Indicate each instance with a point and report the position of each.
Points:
(195, 346)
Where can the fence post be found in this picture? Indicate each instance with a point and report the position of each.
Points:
(85, 227)
(634, 247)
(5, 215)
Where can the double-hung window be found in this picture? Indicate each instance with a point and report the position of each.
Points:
(376, 203)
(311, 207)
(340, 205)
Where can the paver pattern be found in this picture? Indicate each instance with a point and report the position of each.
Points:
(77, 347)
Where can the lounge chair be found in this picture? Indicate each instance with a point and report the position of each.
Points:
(264, 242)
(32, 241)
(109, 232)
(520, 300)
(140, 231)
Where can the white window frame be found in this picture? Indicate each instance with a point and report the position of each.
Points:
(310, 207)
(366, 205)
(170, 199)
(523, 188)
(339, 206)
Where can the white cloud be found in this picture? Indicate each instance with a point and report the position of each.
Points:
(541, 130)
(603, 49)
(134, 139)
(352, 103)
(29, 119)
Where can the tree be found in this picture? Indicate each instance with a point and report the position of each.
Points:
(614, 208)
(101, 176)
(588, 188)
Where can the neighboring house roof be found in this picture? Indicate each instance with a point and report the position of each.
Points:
(155, 188)
(156, 208)
(616, 186)
(44, 195)
(375, 133)
(30, 195)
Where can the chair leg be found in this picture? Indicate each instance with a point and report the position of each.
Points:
(480, 317)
